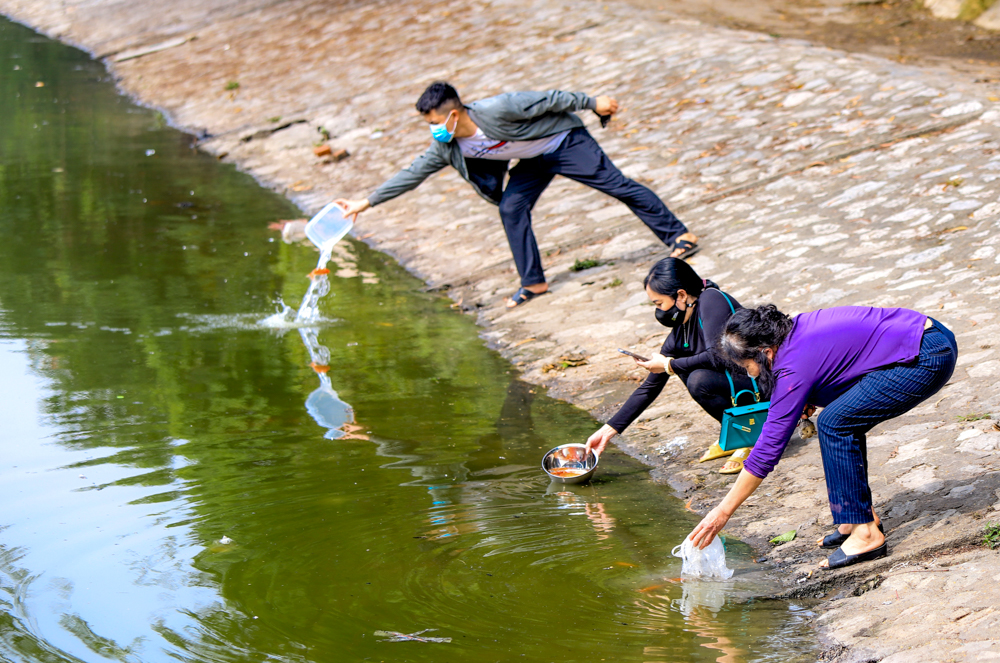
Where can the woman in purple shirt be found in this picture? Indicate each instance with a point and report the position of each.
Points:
(863, 366)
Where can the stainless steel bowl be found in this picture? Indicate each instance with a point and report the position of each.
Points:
(567, 460)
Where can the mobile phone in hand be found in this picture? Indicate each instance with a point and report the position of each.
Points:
(632, 354)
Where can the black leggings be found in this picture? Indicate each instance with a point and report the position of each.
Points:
(710, 389)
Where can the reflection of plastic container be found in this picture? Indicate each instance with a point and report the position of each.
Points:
(328, 227)
(328, 410)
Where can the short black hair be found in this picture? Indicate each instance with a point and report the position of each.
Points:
(437, 95)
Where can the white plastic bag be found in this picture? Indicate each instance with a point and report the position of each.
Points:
(707, 563)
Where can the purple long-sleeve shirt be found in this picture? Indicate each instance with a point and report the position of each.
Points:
(823, 356)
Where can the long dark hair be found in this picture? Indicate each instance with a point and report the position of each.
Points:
(669, 275)
(749, 332)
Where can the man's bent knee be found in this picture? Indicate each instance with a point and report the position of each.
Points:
(514, 210)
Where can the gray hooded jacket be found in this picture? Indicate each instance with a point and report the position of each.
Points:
(511, 116)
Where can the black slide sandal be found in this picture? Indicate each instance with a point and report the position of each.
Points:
(688, 248)
(524, 295)
(837, 539)
(839, 559)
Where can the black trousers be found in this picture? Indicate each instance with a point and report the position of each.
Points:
(579, 158)
(710, 389)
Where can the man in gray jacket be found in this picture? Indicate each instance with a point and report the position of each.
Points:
(541, 130)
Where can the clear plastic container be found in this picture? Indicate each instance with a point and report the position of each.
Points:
(328, 227)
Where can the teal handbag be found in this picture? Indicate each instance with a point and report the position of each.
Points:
(741, 425)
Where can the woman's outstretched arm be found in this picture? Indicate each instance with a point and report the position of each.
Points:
(717, 518)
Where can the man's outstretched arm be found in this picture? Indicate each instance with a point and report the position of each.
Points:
(532, 104)
(409, 178)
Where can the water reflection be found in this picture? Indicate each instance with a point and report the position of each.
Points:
(323, 404)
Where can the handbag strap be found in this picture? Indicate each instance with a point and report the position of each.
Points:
(736, 394)
(732, 387)
(732, 309)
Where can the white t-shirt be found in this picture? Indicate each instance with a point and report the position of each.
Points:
(481, 147)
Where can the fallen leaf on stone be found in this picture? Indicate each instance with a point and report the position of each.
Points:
(784, 538)
(572, 360)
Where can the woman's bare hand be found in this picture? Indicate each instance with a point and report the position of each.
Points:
(600, 439)
(656, 364)
(708, 528)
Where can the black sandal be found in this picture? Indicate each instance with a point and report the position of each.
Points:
(524, 295)
(837, 539)
(688, 248)
(839, 559)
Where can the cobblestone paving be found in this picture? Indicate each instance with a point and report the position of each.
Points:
(814, 178)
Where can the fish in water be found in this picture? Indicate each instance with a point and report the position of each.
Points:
(567, 472)
(653, 588)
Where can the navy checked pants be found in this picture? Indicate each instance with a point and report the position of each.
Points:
(579, 158)
(878, 396)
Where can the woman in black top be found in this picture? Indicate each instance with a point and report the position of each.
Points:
(696, 311)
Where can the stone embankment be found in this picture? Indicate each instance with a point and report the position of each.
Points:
(815, 178)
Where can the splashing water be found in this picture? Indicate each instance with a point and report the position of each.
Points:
(318, 288)
(308, 312)
(283, 319)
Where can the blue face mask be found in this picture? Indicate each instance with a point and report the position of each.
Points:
(440, 131)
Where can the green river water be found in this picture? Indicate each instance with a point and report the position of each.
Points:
(167, 495)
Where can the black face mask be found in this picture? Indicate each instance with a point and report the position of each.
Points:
(672, 317)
